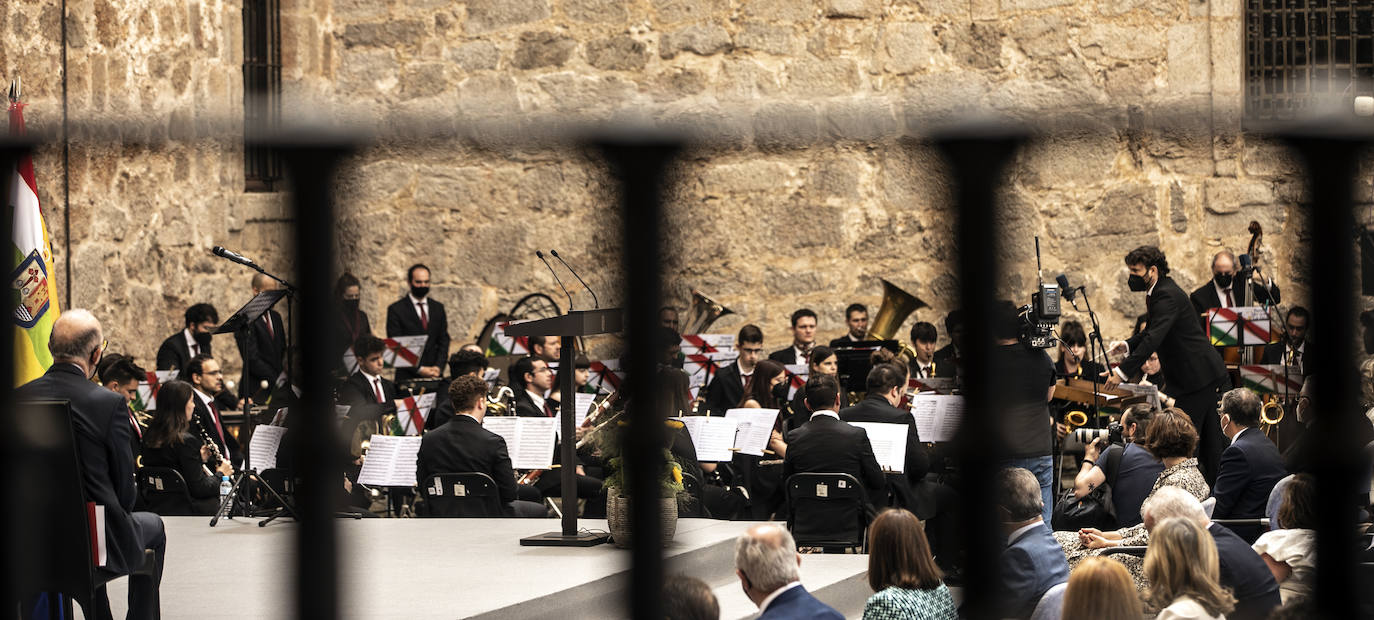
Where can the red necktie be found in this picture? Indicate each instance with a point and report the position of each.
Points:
(1229, 303)
(377, 385)
(548, 410)
(214, 413)
(267, 318)
(134, 420)
(195, 350)
(424, 317)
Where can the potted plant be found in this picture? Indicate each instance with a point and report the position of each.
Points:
(618, 501)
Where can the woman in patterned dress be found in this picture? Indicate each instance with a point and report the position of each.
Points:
(902, 572)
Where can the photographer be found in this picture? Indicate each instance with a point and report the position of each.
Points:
(1025, 386)
(1129, 469)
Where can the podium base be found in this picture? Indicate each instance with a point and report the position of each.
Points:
(559, 539)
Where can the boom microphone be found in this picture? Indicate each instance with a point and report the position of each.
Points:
(555, 278)
(232, 256)
(1067, 291)
(595, 303)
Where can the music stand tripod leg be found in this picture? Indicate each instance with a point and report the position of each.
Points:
(226, 505)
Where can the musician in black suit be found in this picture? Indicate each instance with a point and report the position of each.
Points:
(1292, 350)
(119, 375)
(101, 434)
(1192, 367)
(171, 443)
(1250, 466)
(1225, 292)
(468, 361)
(727, 387)
(367, 393)
(856, 319)
(262, 347)
(923, 337)
(827, 444)
(803, 338)
(886, 384)
(462, 445)
(350, 323)
(204, 374)
(178, 349)
(1073, 351)
(947, 358)
(418, 315)
(546, 348)
(532, 378)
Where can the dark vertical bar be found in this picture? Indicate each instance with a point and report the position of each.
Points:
(9, 157)
(1330, 159)
(567, 473)
(640, 168)
(978, 158)
(312, 169)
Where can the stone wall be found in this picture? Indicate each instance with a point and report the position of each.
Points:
(805, 197)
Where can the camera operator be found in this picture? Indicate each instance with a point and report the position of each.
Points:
(1025, 385)
(1128, 468)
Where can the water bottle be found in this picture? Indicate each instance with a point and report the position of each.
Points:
(225, 486)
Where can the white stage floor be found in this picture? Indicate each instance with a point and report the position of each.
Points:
(453, 568)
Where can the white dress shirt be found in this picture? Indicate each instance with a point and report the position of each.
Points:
(763, 605)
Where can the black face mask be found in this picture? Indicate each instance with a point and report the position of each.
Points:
(1137, 283)
(1222, 279)
(780, 391)
(350, 306)
(419, 291)
(202, 339)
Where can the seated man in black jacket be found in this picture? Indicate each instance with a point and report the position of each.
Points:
(827, 444)
(885, 384)
(1250, 466)
(462, 445)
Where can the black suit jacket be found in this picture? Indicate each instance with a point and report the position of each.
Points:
(173, 353)
(1206, 297)
(185, 458)
(1249, 469)
(946, 361)
(524, 405)
(827, 445)
(875, 408)
(359, 395)
(725, 390)
(844, 341)
(229, 446)
(262, 355)
(100, 421)
(787, 356)
(1188, 359)
(1277, 353)
(1244, 572)
(402, 319)
(462, 445)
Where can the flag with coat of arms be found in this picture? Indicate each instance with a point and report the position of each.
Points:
(32, 279)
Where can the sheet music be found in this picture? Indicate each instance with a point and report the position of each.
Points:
(937, 416)
(1150, 392)
(889, 444)
(530, 441)
(350, 361)
(414, 344)
(262, 449)
(390, 461)
(582, 403)
(712, 436)
(424, 403)
(754, 427)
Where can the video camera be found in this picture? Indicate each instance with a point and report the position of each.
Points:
(1040, 317)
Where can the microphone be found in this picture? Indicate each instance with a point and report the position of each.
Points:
(1067, 291)
(555, 278)
(229, 255)
(595, 304)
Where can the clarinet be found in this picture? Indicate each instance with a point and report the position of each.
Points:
(215, 457)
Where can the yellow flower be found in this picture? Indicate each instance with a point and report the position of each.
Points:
(677, 474)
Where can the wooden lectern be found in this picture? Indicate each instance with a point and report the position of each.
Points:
(570, 325)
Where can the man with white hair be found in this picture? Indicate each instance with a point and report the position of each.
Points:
(1242, 570)
(767, 562)
(100, 419)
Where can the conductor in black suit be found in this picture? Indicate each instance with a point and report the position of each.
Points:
(827, 444)
(803, 338)
(262, 347)
(1250, 466)
(418, 315)
(1192, 367)
(727, 387)
(1225, 291)
(178, 349)
(462, 445)
(100, 420)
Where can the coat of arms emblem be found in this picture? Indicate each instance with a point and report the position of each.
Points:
(30, 291)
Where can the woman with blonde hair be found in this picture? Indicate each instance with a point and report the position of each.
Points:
(1183, 568)
(1101, 588)
(905, 580)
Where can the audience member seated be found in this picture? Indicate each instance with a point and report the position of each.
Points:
(1136, 469)
(902, 572)
(463, 445)
(1290, 550)
(688, 598)
(1031, 563)
(170, 443)
(1181, 564)
(1250, 466)
(1241, 569)
(767, 563)
(827, 445)
(1100, 588)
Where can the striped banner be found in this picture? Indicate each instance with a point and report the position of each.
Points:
(501, 344)
(796, 378)
(1271, 378)
(605, 375)
(412, 411)
(1245, 325)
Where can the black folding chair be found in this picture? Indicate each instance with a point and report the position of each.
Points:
(163, 490)
(57, 540)
(695, 506)
(827, 510)
(468, 494)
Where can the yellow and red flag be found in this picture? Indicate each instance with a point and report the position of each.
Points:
(32, 279)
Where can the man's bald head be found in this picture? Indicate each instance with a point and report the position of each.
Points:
(76, 336)
(263, 283)
(767, 556)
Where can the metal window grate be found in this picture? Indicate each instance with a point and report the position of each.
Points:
(1298, 52)
(261, 92)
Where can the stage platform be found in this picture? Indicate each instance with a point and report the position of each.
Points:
(455, 568)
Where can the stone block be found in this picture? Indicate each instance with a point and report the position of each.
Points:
(1033, 5)
(908, 47)
(1120, 42)
(618, 53)
(574, 92)
(678, 83)
(985, 10)
(1189, 58)
(367, 70)
(358, 9)
(1041, 36)
(859, 119)
(110, 27)
(957, 9)
(780, 125)
(543, 49)
(1226, 195)
(975, 45)
(745, 78)
(1227, 61)
(757, 176)
(76, 28)
(837, 178)
(392, 34)
(489, 15)
(700, 39)
(1067, 159)
(780, 10)
(781, 40)
(932, 98)
(474, 56)
(1178, 209)
(424, 79)
(678, 11)
(1132, 80)
(488, 94)
(596, 11)
(828, 77)
(857, 9)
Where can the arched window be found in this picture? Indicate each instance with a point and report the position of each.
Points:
(261, 91)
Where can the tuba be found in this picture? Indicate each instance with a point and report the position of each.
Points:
(501, 401)
(703, 313)
(896, 307)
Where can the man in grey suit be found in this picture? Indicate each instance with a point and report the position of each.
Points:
(1032, 562)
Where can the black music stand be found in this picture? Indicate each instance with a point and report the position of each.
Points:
(252, 311)
(855, 360)
(573, 324)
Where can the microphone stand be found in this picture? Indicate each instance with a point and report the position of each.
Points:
(1096, 346)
